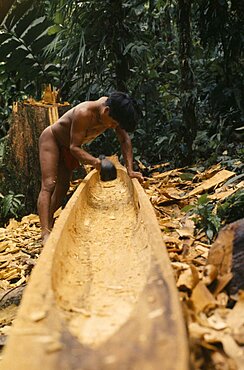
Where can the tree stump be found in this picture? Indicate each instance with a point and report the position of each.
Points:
(21, 159)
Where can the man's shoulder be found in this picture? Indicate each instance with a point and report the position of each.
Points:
(83, 110)
(83, 115)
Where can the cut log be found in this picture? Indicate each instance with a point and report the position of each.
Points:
(102, 295)
(227, 255)
(22, 170)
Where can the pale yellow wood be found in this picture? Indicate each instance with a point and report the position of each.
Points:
(102, 295)
(53, 114)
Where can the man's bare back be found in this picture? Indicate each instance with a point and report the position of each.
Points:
(89, 111)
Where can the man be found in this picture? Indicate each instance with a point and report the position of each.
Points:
(60, 147)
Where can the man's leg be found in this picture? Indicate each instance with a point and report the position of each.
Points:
(49, 159)
(61, 189)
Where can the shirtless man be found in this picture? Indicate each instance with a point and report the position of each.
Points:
(60, 147)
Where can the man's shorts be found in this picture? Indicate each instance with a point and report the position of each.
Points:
(70, 161)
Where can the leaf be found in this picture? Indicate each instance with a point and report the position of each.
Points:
(7, 47)
(24, 23)
(51, 68)
(4, 36)
(209, 233)
(58, 19)
(160, 140)
(203, 199)
(6, 205)
(175, 72)
(82, 48)
(16, 58)
(39, 44)
(35, 30)
(18, 11)
(187, 208)
(187, 176)
(128, 47)
(29, 69)
(54, 29)
(140, 131)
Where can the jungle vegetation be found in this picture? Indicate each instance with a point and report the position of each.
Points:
(183, 60)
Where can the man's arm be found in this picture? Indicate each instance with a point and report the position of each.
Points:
(79, 127)
(127, 152)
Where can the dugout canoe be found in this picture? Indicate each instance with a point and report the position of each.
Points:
(102, 295)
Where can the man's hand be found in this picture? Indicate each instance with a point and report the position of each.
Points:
(97, 164)
(136, 175)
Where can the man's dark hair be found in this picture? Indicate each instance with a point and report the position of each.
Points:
(123, 109)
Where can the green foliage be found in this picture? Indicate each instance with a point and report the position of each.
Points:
(91, 48)
(100, 46)
(133, 52)
(209, 216)
(204, 216)
(233, 208)
(24, 68)
(11, 205)
(220, 69)
(23, 37)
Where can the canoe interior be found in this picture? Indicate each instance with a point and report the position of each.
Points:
(97, 297)
(102, 295)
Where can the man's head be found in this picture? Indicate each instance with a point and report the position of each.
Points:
(124, 110)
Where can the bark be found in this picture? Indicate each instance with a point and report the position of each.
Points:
(227, 254)
(22, 170)
(5, 6)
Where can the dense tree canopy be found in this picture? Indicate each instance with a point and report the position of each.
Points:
(183, 60)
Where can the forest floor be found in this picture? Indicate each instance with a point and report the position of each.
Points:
(185, 201)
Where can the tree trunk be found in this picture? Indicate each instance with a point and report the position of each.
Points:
(22, 170)
(188, 98)
(5, 6)
(118, 33)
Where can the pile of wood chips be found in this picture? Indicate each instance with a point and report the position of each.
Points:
(216, 328)
(20, 246)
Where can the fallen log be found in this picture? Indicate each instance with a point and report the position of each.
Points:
(102, 295)
(227, 255)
